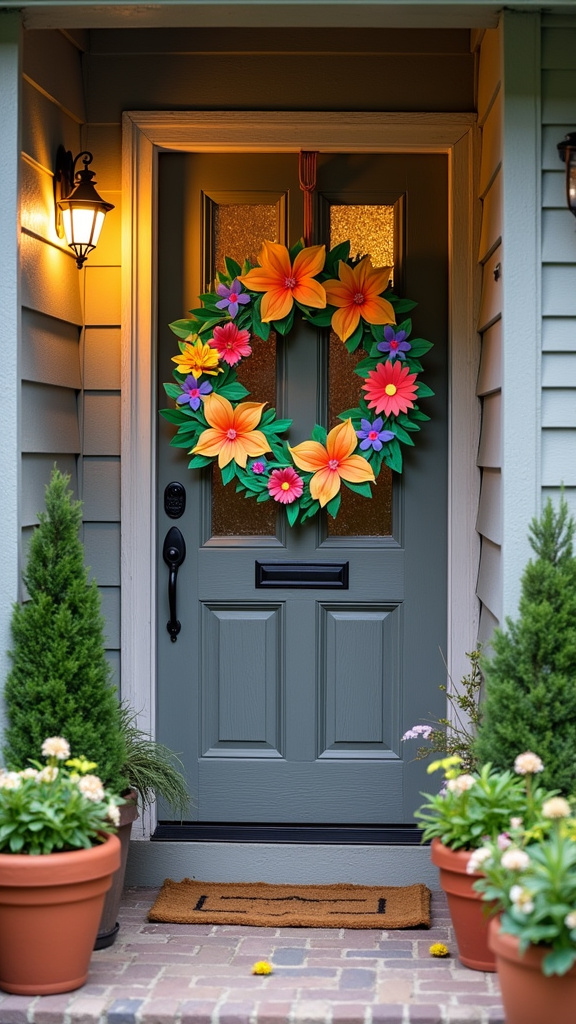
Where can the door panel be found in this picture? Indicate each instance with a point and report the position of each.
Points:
(288, 704)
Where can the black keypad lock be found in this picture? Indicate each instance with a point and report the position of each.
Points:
(174, 500)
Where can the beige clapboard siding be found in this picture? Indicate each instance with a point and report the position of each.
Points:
(49, 280)
(490, 373)
(488, 623)
(50, 419)
(101, 358)
(489, 385)
(102, 552)
(49, 61)
(50, 350)
(36, 470)
(101, 489)
(101, 423)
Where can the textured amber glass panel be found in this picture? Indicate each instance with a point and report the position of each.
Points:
(239, 230)
(369, 228)
(233, 515)
(358, 516)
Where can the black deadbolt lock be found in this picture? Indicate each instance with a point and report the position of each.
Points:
(174, 500)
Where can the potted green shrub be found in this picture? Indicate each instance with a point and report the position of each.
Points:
(60, 680)
(57, 859)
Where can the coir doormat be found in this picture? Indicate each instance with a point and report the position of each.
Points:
(308, 906)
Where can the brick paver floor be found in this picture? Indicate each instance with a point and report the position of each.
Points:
(201, 974)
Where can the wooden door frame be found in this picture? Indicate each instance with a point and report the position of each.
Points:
(145, 135)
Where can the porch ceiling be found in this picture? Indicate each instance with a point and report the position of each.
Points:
(47, 14)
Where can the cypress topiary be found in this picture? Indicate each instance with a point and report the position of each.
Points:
(530, 679)
(60, 681)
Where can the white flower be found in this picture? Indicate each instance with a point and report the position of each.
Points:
(91, 787)
(570, 920)
(48, 774)
(515, 822)
(28, 773)
(522, 899)
(10, 780)
(113, 812)
(476, 859)
(515, 860)
(461, 783)
(418, 730)
(528, 764)
(56, 746)
(556, 807)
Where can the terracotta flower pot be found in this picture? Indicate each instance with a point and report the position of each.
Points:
(468, 910)
(108, 927)
(528, 996)
(50, 906)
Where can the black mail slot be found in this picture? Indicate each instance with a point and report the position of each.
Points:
(303, 575)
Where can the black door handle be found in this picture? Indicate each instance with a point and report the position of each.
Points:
(174, 553)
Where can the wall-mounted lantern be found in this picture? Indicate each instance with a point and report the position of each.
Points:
(567, 151)
(80, 211)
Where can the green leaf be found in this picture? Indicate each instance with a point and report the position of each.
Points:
(199, 461)
(234, 391)
(400, 305)
(182, 328)
(420, 346)
(393, 456)
(319, 434)
(260, 329)
(354, 340)
(264, 496)
(333, 505)
(296, 248)
(234, 269)
(320, 317)
(364, 488)
(405, 326)
(424, 391)
(228, 472)
(339, 252)
(173, 390)
(278, 427)
(174, 415)
(377, 332)
(285, 326)
(292, 512)
(364, 367)
(401, 434)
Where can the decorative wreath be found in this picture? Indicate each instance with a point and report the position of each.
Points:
(214, 421)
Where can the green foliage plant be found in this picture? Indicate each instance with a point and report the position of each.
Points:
(455, 735)
(55, 807)
(60, 681)
(532, 882)
(530, 678)
(471, 807)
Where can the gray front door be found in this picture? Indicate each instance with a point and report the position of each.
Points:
(288, 704)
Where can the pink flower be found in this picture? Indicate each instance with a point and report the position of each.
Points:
(285, 485)
(231, 344)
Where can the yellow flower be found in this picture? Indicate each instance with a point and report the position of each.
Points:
(198, 359)
(333, 463)
(438, 949)
(231, 434)
(283, 281)
(445, 763)
(262, 967)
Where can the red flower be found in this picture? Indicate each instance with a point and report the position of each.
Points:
(285, 485)
(231, 343)
(390, 388)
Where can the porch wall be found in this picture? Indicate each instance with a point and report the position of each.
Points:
(489, 386)
(558, 263)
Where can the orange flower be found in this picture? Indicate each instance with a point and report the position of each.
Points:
(282, 281)
(333, 463)
(357, 294)
(232, 433)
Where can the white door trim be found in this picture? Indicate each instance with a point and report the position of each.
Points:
(146, 133)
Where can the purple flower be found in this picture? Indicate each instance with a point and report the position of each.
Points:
(232, 297)
(418, 730)
(193, 392)
(258, 466)
(394, 344)
(372, 434)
